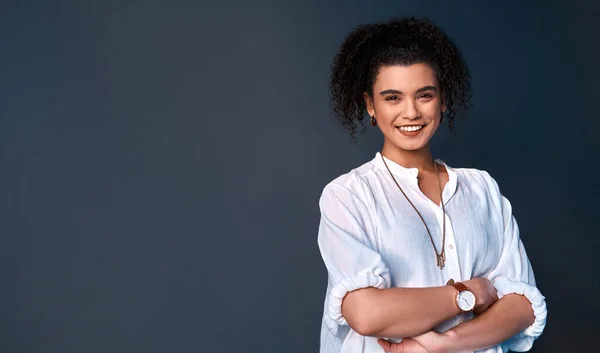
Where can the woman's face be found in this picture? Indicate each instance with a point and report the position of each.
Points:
(407, 104)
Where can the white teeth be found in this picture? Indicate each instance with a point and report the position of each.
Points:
(411, 128)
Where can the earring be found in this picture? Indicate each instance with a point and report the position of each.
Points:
(373, 121)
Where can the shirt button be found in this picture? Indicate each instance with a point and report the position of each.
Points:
(450, 247)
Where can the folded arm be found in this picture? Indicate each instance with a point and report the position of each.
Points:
(406, 312)
(361, 296)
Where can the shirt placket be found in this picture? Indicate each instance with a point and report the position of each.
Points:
(452, 268)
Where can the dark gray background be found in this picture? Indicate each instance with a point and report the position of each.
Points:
(161, 163)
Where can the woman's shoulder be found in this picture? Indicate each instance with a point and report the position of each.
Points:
(474, 174)
(355, 175)
(476, 178)
(354, 181)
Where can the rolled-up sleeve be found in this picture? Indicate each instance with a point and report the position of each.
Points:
(514, 275)
(345, 240)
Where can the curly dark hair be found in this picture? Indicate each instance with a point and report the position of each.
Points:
(403, 41)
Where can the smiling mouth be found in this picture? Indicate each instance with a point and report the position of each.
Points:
(410, 128)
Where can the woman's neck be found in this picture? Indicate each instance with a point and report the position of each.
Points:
(420, 159)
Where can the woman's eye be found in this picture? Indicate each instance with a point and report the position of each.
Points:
(392, 98)
(426, 95)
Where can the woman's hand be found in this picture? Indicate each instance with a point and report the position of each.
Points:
(408, 345)
(429, 342)
(485, 293)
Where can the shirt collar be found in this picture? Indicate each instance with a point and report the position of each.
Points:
(411, 174)
(395, 168)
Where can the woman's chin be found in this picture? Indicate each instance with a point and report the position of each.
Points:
(408, 145)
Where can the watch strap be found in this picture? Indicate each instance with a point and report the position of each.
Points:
(459, 286)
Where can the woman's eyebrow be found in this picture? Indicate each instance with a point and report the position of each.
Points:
(395, 91)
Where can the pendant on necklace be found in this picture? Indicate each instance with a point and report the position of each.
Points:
(441, 260)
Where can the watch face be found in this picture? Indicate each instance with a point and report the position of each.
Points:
(466, 300)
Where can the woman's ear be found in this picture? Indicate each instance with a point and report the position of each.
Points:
(369, 104)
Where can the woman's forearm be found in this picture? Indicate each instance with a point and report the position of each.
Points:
(398, 312)
(505, 318)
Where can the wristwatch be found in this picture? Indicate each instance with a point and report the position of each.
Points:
(465, 298)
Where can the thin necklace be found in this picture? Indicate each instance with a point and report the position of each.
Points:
(441, 256)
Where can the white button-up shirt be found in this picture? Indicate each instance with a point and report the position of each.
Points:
(370, 236)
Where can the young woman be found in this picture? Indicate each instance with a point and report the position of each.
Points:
(421, 257)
